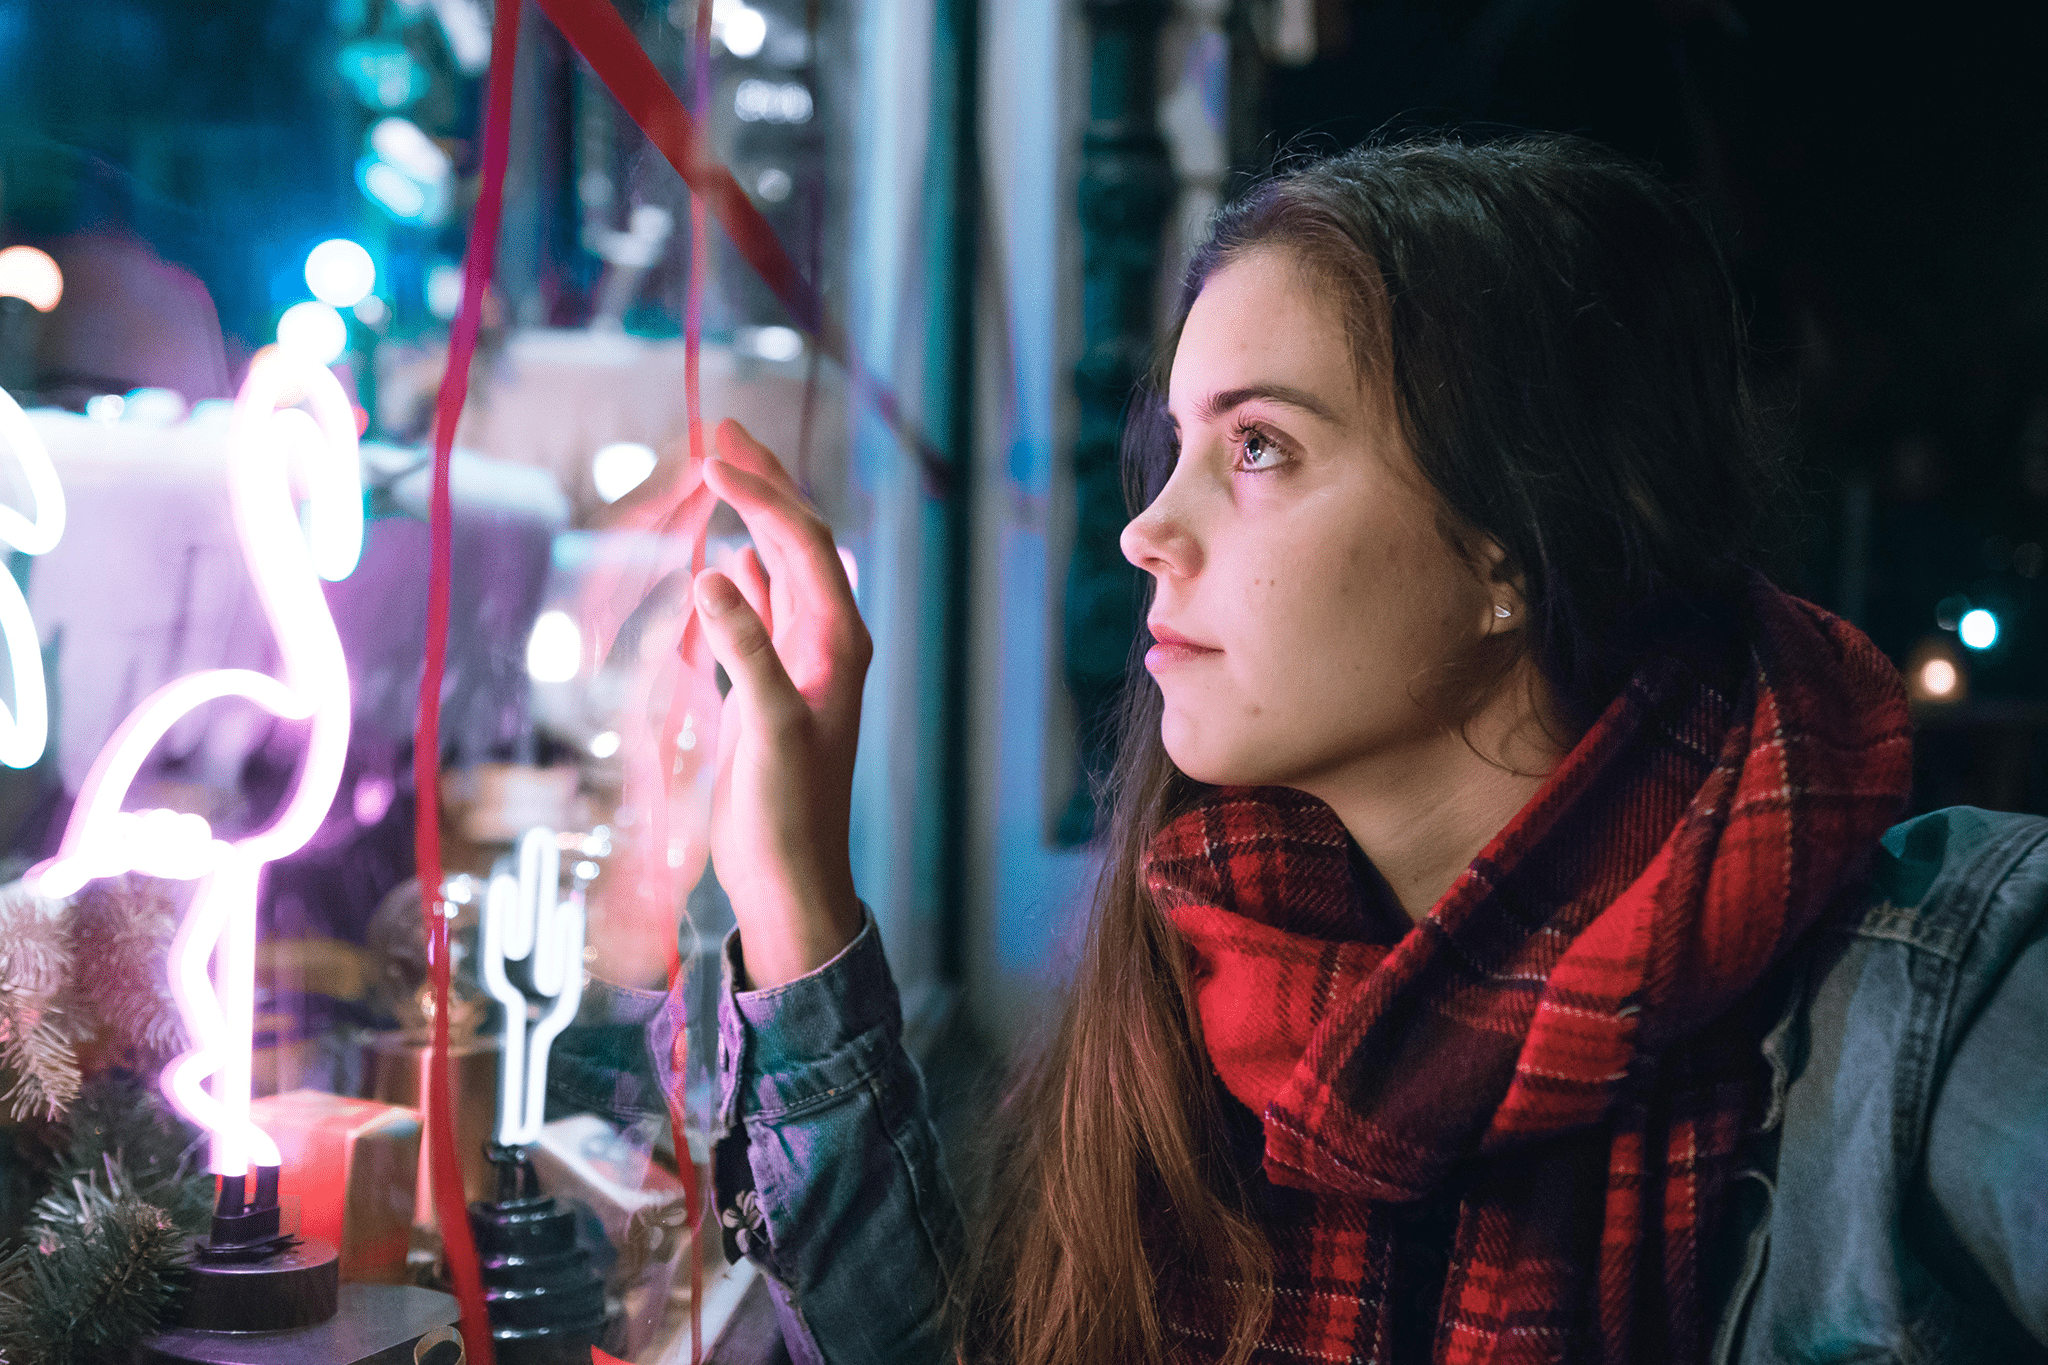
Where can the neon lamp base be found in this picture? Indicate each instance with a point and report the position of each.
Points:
(373, 1324)
(545, 1300)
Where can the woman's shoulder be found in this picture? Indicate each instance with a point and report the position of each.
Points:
(1912, 1096)
(1955, 904)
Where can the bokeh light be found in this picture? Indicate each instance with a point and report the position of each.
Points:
(1978, 629)
(32, 275)
(313, 330)
(554, 652)
(340, 272)
(619, 468)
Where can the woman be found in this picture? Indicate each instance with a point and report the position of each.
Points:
(1487, 836)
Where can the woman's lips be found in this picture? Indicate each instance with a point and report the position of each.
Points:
(1174, 649)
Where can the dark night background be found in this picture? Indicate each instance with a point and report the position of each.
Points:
(1879, 176)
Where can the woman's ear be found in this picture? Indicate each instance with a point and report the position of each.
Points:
(1505, 607)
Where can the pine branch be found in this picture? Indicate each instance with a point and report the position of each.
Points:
(123, 1136)
(35, 946)
(90, 1292)
(123, 926)
(38, 1043)
(41, 1053)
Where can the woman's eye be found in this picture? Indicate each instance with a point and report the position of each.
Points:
(1256, 450)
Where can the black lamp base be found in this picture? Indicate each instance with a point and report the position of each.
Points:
(545, 1300)
(373, 1324)
(295, 1286)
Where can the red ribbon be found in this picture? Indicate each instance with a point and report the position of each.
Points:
(451, 1206)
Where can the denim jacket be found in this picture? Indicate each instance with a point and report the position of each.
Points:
(1896, 1209)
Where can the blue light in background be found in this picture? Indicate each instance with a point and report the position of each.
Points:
(340, 272)
(1978, 628)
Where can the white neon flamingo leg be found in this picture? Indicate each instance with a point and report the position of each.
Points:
(220, 1014)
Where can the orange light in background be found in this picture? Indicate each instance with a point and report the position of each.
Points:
(1935, 673)
(26, 273)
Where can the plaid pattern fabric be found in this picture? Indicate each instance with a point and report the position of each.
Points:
(1566, 1047)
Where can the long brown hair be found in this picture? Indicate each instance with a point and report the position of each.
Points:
(1562, 342)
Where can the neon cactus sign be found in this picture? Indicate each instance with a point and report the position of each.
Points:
(527, 920)
(103, 840)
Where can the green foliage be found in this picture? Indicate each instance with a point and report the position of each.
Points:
(88, 1296)
(122, 1136)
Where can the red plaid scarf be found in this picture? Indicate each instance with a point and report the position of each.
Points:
(1565, 1050)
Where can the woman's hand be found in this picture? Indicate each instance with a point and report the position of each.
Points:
(791, 639)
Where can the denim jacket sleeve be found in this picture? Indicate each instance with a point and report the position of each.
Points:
(1983, 1203)
(854, 1218)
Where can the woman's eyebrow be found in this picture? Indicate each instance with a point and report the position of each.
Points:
(1216, 404)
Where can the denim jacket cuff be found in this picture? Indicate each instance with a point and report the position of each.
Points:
(810, 1037)
(608, 1003)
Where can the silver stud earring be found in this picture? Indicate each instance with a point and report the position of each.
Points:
(1502, 612)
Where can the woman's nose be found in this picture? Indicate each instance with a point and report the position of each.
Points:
(1156, 542)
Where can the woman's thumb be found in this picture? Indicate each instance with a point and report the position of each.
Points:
(741, 644)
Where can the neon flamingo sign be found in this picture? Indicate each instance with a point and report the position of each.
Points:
(25, 730)
(102, 840)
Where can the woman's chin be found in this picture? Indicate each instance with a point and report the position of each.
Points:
(1203, 764)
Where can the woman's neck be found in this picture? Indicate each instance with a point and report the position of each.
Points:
(1422, 814)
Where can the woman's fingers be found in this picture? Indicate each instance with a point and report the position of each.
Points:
(786, 530)
(740, 642)
(736, 445)
(753, 583)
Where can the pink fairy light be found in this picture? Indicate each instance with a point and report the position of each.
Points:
(103, 840)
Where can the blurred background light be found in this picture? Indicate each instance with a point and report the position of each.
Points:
(444, 290)
(314, 330)
(554, 651)
(106, 407)
(1938, 678)
(468, 31)
(604, 744)
(405, 172)
(1978, 629)
(1935, 671)
(756, 101)
(400, 142)
(372, 312)
(393, 191)
(32, 275)
(739, 26)
(153, 407)
(382, 73)
(768, 343)
(773, 184)
(619, 468)
(340, 272)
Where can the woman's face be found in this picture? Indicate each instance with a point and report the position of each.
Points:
(1295, 551)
